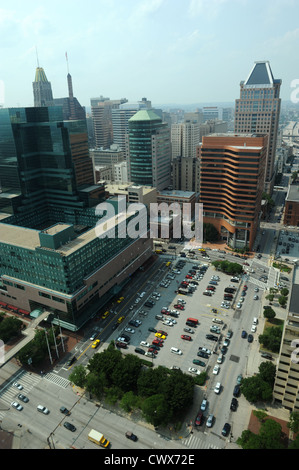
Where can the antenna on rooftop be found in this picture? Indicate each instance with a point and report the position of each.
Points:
(67, 62)
(37, 56)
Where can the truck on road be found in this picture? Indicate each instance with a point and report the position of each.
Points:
(98, 438)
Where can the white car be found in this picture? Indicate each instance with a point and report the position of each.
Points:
(239, 305)
(168, 323)
(206, 350)
(216, 369)
(220, 359)
(150, 354)
(19, 386)
(16, 405)
(130, 330)
(255, 297)
(256, 289)
(193, 370)
(253, 328)
(217, 388)
(144, 343)
(176, 351)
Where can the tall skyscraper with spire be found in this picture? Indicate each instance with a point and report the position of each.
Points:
(258, 109)
(42, 89)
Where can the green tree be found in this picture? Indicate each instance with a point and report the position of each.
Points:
(269, 313)
(210, 233)
(129, 401)
(284, 291)
(293, 424)
(78, 376)
(9, 328)
(96, 383)
(270, 297)
(271, 338)
(255, 389)
(156, 410)
(270, 434)
(282, 300)
(267, 372)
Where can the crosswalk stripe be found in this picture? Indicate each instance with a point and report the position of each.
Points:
(193, 442)
(61, 381)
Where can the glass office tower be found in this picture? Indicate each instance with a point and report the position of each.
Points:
(148, 151)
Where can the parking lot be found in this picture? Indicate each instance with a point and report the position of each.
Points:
(288, 245)
(204, 308)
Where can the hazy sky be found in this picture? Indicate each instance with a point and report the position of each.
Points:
(170, 51)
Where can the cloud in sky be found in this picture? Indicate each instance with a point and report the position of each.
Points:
(171, 51)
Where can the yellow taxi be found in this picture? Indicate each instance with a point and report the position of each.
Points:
(120, 300)
(95, 344)
(105, 315)
(121, 319)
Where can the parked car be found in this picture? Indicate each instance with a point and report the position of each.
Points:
(199, 363)
(210, 421)
(23, 398)
(139, 351)
(199, 419)
(186, 337)
(234, 404)
(225, 429)
(16, 405)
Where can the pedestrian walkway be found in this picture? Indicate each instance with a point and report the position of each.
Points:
(9, 392)
(194, 442)
(54, 378)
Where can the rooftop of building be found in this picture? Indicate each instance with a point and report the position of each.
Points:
(293, 193)
(145, 115)
(260, 76)
(40, 75)
(176, 193)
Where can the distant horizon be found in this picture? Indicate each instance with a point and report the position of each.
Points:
(172, 51)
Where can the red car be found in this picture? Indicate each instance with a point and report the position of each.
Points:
(199, 419)
(179, 306)
(245, 287)
(158, 342)
(153, 350)
(164, 310)
(162, 332)
(210, 288)
(186, 337)
(188, 276)
(119, 344)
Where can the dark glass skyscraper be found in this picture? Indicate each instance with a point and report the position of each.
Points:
(51, 256)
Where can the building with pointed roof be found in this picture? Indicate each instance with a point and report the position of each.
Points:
(258, 109)
(42, 89)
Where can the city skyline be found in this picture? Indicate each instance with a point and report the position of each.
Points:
(171, 51)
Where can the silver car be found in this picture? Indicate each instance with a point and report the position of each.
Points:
(210, 421)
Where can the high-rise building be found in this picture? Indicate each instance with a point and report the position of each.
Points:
(42, 90)
(258, 109)
(101, 111)
(148, 150)
(286, 385)
(232, 169)
(71, 108)
(51, 255)
(185, 138)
